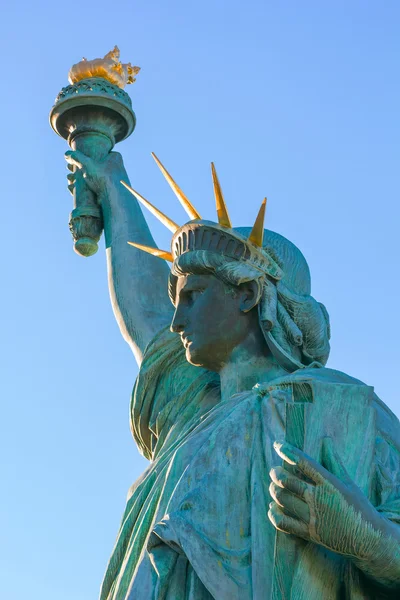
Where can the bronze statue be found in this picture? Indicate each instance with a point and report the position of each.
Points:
(270, 475)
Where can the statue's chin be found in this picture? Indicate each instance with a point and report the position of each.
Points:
(194, 357)
(199, 359)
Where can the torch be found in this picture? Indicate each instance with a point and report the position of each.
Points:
(93, 114)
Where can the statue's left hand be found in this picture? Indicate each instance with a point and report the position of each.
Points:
(323, 505)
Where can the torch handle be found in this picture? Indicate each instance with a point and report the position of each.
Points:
(93, 115)
(86, 219)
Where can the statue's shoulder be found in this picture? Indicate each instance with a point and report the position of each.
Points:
(321, 375)
(316, 378)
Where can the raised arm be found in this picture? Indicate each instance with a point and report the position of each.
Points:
(137, 281)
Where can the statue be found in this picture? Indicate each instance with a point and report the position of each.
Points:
(271, 476)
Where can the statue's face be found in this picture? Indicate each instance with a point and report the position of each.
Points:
(210, 319)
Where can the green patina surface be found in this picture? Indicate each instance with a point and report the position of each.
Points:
(270, 475)
(92, 115)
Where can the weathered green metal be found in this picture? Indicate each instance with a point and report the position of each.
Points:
(92, 115)
(271, 477)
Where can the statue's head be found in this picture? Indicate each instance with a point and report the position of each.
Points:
(228, 283)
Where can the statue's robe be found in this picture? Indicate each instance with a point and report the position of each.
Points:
(195, 525)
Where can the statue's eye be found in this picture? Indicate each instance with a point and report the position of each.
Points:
(192, 295)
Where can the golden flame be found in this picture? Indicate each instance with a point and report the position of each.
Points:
(109, 68)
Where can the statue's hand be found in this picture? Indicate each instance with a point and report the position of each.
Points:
(99, 176)
(326, 507)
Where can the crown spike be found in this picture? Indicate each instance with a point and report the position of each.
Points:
(222, 211)
(172, 226)
(187, 205)
(257, 233)
(154, 251)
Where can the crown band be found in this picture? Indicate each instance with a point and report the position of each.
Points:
(211, 237)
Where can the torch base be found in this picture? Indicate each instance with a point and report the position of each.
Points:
(86, 247)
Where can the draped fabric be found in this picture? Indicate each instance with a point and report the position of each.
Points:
(195, 525)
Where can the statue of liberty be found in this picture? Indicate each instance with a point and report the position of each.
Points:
(270, 475)
(238, 341)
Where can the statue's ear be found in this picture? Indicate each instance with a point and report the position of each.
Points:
(250, 295)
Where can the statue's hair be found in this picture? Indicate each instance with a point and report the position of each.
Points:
(297, 322)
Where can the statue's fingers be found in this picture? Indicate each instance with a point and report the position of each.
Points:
(76, 158)
(307, 465)
(286, 523)
(72, 159)
(74, 177)
(291, 503)
(71, 187)
(70, 167)
(284, 479)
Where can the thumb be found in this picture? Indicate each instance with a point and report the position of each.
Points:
(332, 462)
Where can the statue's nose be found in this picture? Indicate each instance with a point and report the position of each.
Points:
(178, 322)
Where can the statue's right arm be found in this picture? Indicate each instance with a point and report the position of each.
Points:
(138, 281)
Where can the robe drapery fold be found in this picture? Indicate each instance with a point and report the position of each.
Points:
(195, 525)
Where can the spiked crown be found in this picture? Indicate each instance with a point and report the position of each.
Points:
(199, 234)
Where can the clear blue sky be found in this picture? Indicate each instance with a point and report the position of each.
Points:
(298, 101)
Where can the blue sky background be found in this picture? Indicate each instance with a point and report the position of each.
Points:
(298, 101)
